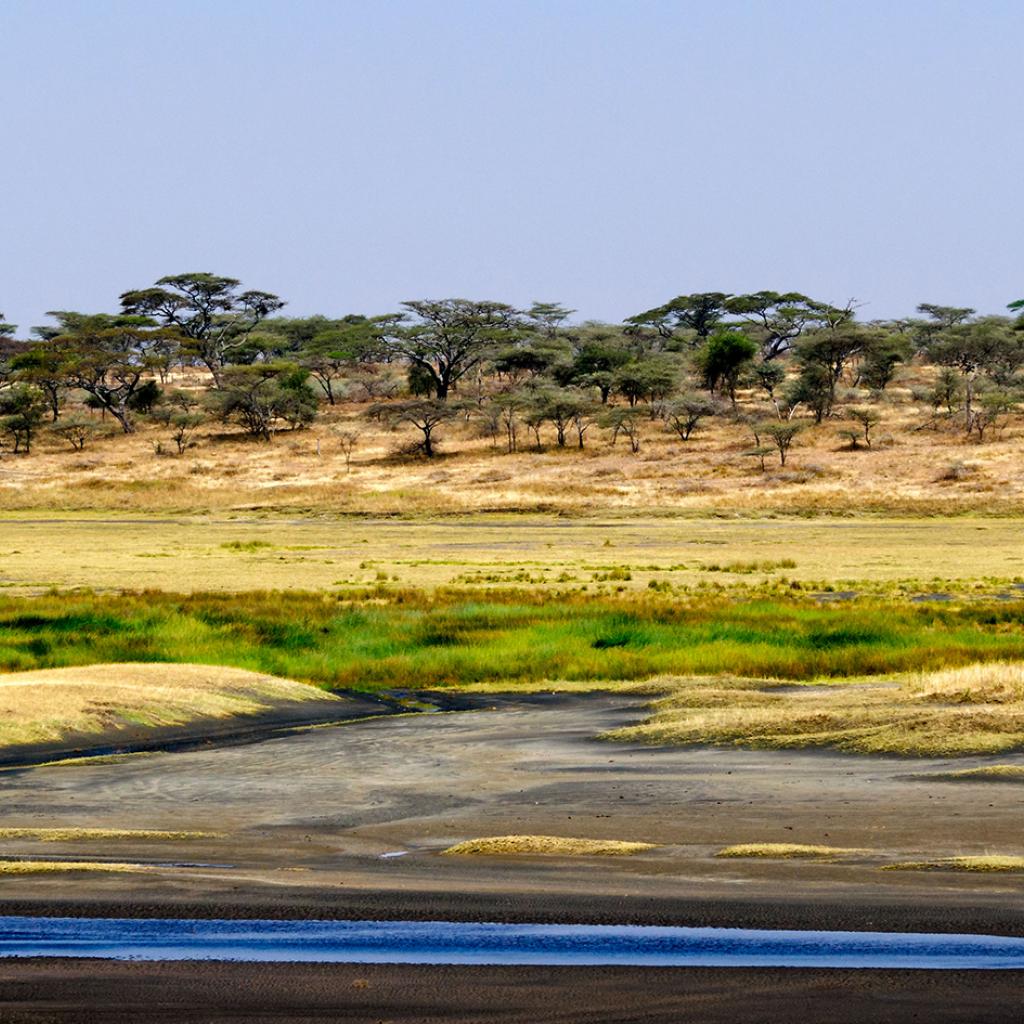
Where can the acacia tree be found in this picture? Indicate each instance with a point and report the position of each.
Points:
(598, 350)
(647, 379)
(782, 435)
(824, 354)
(261, 396)
(624, 420)
(108, 363)
(682, 415)
(425, 414)
(9, 348)
(866, 420)
(777, 318)
(22, 408)
(970, 348)
(338, 347)
(507, 408)
(722, 360)
(698, 314)
(450, 337)
(883, 355)
(40, 365)
(547, 317)
(77, 429)
(208, 310)
(564, 408)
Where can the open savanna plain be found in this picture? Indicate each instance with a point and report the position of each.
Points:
(776, 721)
(920, 462)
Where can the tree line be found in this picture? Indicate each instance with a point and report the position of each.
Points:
(775, 360)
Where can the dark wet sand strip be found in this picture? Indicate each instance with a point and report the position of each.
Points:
(99, 992)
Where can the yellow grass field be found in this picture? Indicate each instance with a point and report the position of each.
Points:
(608, 553)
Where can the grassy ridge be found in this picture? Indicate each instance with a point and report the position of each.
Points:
(448, 637)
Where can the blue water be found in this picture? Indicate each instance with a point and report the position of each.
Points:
(445, 942)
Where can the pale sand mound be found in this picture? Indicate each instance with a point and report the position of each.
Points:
(121, 701)
(498, 846)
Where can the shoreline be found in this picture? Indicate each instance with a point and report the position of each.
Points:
(960, 913)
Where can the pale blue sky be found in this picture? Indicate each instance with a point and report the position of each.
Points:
(608, 155)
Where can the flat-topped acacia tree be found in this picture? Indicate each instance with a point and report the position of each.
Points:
(446, 338)
(209, 311)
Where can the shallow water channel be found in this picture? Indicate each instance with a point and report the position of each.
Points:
(446, 942)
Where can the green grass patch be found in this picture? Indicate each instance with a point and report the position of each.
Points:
(411, 638)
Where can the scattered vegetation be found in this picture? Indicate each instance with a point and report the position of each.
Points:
(987, 773)
(974, 710)
(785, 851)
(198, 368)
(62, 835)
(555, 846)
(985, 862)
(49, 867)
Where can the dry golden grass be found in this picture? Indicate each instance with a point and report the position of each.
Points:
(306, 470)
(615, 553)
(786, 851)
(985, 862)
(62, 835)
(973, 710)
(96, 759)
(554, 846)
(46, 867)
(988, 773)
(104, 702)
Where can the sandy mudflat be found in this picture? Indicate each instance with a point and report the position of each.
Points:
(83, 992)
(314, 812)
(304, 819)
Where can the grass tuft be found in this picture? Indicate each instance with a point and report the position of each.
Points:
(988, 773)
(42, 867)
(985, 862)
(61, 835)
(557, 846)
(786, 851)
